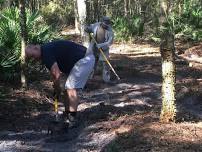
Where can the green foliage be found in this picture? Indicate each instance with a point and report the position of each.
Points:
(121, 28)
(186, 24)
(38, 31)
(58, 13)
(126, 28)
(1, 1)
(10, 40)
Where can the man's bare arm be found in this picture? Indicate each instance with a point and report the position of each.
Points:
(56, 73)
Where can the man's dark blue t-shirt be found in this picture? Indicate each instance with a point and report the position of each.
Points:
(65, 53)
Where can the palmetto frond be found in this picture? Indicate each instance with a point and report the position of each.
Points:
(10, 35)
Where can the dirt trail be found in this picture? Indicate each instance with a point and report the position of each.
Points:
(113, 118)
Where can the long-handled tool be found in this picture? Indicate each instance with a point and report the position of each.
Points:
(100, 49)
(55, 126)
(56, 96)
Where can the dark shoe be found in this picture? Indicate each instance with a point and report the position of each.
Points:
(111, 82)
(65, 118)
(73, 121)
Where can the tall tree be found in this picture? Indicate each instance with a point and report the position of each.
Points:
(168, 110)
(81, 4)
(32, 6)
(76, 16)
(23, 40)
(125, 8)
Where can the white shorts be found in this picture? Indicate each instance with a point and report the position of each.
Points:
(80, 73)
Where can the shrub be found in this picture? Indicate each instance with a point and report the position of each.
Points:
(126, 28)
(57, 14)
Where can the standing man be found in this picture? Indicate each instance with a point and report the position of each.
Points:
(103, 34)
(71, 59)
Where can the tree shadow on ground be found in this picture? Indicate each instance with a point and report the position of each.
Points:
(142, 139)
(88, 117)
(189, 92)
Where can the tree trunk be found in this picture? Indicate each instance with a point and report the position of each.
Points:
(23, 40)
(32, 5)
(168, 111)
(131, 7)
(96, 7)
(125, 8)
(38, 6)
(82, 20)
(76, 16)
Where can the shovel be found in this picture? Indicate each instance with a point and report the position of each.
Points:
(56, 97)
(54, 125)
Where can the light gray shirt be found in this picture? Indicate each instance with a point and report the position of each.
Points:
(109, 36)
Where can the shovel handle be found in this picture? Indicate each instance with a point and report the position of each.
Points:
(56, 105)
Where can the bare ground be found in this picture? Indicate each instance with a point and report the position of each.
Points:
(121, 117)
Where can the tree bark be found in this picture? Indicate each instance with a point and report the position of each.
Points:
(23, 40)
(168, 110)
(125, 8)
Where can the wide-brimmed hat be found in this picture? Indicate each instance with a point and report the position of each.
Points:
(106, 20)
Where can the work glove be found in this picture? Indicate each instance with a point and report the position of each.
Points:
(86, 29)
(99, 46)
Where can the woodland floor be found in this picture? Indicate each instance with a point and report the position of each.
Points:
(121, 117)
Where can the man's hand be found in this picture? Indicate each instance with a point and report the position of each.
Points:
(87, 29)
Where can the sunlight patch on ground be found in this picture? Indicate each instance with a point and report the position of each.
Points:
(15, 141)
(70, 32)
(83, 105)
(123, 129)
(7, 146)
(133, 48)
(134, 102)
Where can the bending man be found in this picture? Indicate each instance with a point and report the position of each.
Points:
(71, 59)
